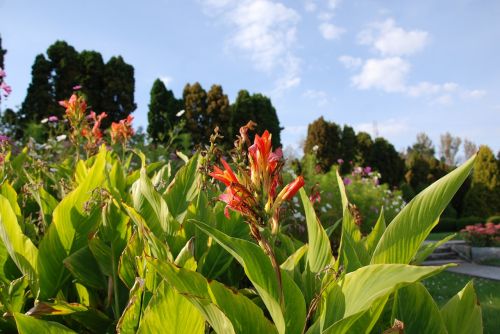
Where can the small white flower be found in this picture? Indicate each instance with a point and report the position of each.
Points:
(61, 138)
(45, 120)
(180, 113)
(315, 148)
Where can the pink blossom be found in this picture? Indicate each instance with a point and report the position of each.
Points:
(2, 73)
(77, 87)
(367, 170)
(6, 88)
(340, 161)
(347, 181)
(53, 118)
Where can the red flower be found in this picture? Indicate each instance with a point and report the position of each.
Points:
(238, 199)
(122, 131)
(226, 176)
(291, 189)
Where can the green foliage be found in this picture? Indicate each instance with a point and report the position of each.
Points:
(257, 108)
(384, 158)
(324, 141)
(163, 107)
(483, 197)
(130, 246)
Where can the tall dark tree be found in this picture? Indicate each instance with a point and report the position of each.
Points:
(163, 107)
(91, 78)
(65, 65)
(324, 140)
(387, 161)
(483, 197)
(219, 114)
(3, 52)
(258, 108)
(364, 145)
(39, 101)
(118, 92)
(348, 148)
(195, 106)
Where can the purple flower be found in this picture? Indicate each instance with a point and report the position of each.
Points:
(3, 139)
(77, 87)
(2, 73)
(6, 88)
(347, 181)
(367, 170)
(340, 161)
(53, 118)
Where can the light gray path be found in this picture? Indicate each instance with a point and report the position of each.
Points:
(468, 268)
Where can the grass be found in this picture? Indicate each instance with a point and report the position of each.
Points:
(445, 285)
(441, 235)
(491, 262)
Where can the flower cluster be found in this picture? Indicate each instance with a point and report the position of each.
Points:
(482, 235)
(254, 192)
(122, 131)
(3, 86)
(4, 145)
(82, 125)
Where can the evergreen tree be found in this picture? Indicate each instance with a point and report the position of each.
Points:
(257, 108)
(91, 78)
(348, 147)
(364, 145)
(163, 108)
(195, 106)
(65, 65)
(3, 52)
(324, 140)
(483, 197)
(118, 92)
(219, 114)
(387, 161)
(39, 101)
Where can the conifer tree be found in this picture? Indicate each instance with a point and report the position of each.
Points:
(195, 106)
(163, 107)
(219, 114)
(324, 140)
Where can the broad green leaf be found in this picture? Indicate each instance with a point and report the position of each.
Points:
(407, 231)
(319, 254)
(183, 189)
(462, 313)
(428, 248)
(59, 307)
(373, 238)
(127, 265)
(288, 317)
(69, 229)
(367, 288)
(85, 269)
(13, 295)
(414, 306)
(293, 260)
(129, 321)
(29, 325)
(102, 254)
(169, 312)
(352, 253)
(151, 205)
(20, 248)
(226, 310)
(10, 194)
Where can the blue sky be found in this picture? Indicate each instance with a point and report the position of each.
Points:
(391, 67)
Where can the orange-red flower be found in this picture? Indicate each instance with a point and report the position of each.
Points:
(238, 199)
(226, 176)
(122, 131)
(75, 109)
(291, 189)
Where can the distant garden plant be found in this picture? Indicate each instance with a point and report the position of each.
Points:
(482, 235)
(97, 245)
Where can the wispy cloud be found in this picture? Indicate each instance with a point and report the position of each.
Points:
(387, 74)
(167, 80)
(387, 128)
(330, 31)
(264, 32)
(390, 72)
(391, 40)
(321, 97)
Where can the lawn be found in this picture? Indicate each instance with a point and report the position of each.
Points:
(445, 285)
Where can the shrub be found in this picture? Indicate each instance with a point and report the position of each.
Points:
(479, 235)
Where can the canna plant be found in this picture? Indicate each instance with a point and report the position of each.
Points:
(147, 250)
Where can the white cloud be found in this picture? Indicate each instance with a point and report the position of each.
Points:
(310, 6)
(330, 31)
(425, 88)
(167, 80)
(388, 128)
(320, 96)
(473, 94)
(350, 62)
(325, 16)
(264, 31)
(333, 4)
(390, 40)
(387, 74)
(444, 100)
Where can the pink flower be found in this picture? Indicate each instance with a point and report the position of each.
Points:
(347, 181)
(2, 73)
(53, 119)
(367, 170)
(340, 161)
(6, 88)
(77, 87)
